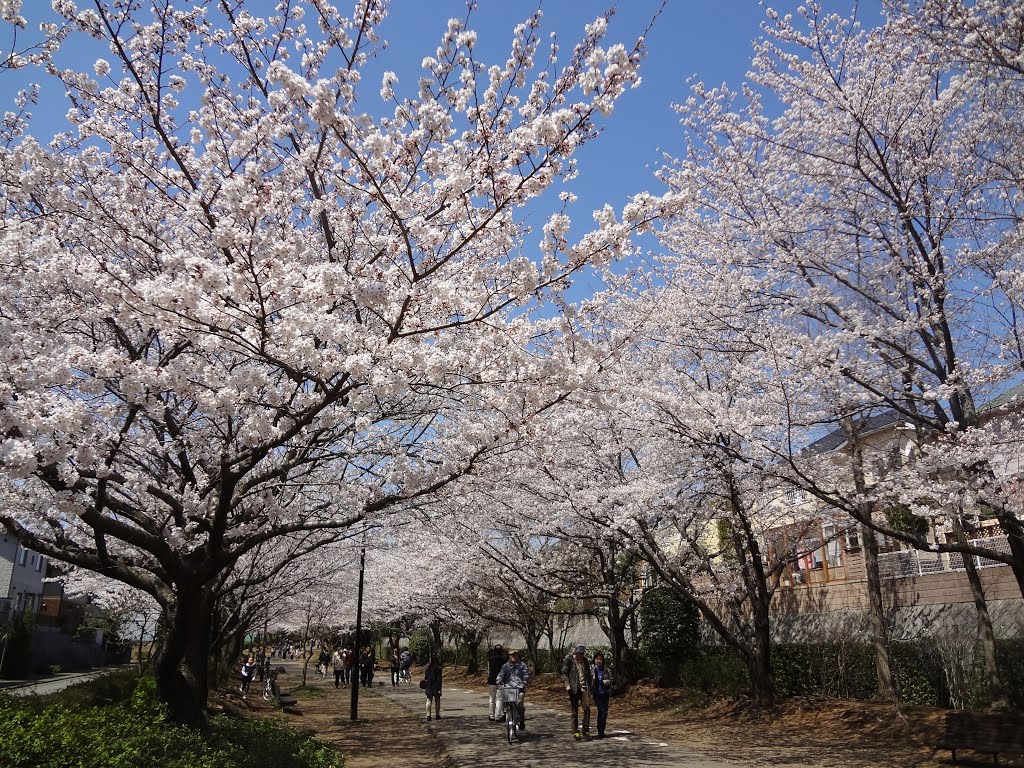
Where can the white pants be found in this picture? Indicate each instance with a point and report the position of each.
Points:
(493, 704)
(436, 701)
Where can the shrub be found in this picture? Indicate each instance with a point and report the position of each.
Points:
(920, 675)
(133, 733)
(18, 657)
(668, 632)
(715, 670)
(842, 670)
(419, 645)
(846, 669)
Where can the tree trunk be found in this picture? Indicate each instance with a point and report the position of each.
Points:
(996, 693)
(762, 691)
(473, 665)
(888, 688)
(616, 632)
(435, 634)
(181, 671)
(755, 582)
(1014, 530)
(532, 636)
(760, 663)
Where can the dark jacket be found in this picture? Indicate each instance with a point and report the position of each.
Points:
(496, 658)
(432, 674)
(602, 682)
(571, 676)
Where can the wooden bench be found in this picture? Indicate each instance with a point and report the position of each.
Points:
(992, 733)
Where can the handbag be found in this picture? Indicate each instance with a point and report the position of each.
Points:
(423, 684)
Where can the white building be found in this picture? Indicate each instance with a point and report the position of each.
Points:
(21, 578)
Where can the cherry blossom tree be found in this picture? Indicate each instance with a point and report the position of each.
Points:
(243, 300)
(878, 218)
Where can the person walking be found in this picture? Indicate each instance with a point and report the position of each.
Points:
(348, 658)
(432, 686)
(338, 665)
(602, 692)
(367, 661)
(396, 666)
(247, 674)
(576, 676)
(496, 658)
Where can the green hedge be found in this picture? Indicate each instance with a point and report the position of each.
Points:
(53, 733)
(847, 670)
(714, 670)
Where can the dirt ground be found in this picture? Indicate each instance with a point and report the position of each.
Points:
(825, 733)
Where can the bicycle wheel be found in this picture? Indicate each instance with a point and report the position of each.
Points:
(510, 723)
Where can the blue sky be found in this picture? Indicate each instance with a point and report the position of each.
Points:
(709, 40)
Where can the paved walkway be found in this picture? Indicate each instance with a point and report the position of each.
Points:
(51, 684)
(471, 740)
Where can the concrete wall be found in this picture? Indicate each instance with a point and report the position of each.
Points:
(52, 647)
(917, 606)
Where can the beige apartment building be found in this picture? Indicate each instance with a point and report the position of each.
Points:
(825, 587)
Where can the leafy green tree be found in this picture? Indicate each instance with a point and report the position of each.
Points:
(668, 632)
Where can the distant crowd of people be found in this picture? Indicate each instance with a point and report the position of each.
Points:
(587, 680)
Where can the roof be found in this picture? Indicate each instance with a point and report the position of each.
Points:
(838, 437)
(1010, 396)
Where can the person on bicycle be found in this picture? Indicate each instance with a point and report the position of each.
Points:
(405, 665)
(515, 673)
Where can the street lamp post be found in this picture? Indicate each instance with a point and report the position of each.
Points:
(359, 628)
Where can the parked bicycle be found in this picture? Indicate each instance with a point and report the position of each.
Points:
(270, 690)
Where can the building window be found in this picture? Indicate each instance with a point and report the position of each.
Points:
(852, 538)
(22, 555)
(795, 497)
(833, 545)
(39, 563)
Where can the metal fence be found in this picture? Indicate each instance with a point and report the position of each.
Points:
(914, 562)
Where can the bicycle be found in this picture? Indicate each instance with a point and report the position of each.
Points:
(404, 675)
(510, 696)
(269, 691)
